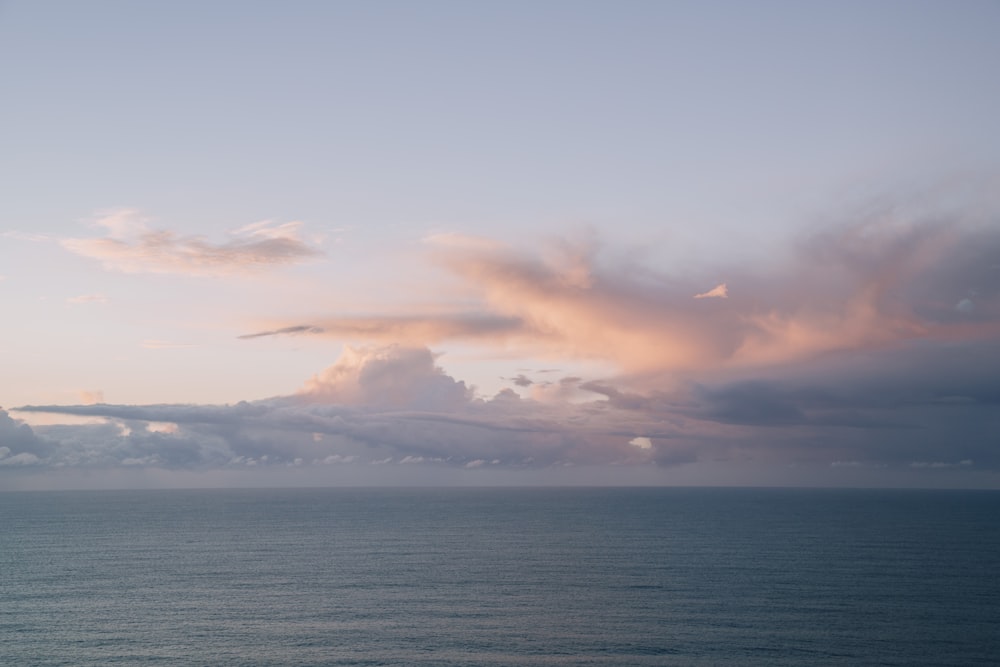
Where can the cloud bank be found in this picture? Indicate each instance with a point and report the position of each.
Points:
(874, 346)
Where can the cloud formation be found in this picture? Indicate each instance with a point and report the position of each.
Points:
(872, 284)
(874, 346)
(924, 407)
(130, 246)
(387, 404)
(87, 298)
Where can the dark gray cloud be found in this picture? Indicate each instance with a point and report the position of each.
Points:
(296, 329)
(413, 329)
(19, 445)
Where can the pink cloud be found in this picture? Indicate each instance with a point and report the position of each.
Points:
(386, 377)
(863, 286)
(720, 291)
(130, 246)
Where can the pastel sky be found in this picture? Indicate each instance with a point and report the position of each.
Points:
(310, 243)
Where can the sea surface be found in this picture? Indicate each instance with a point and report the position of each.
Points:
(512, 576)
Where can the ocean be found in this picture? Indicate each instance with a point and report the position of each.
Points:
(500, 576)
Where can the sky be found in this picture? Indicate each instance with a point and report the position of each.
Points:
(681, 243)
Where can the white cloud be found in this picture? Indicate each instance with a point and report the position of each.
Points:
(390, 377)
(720, 291)
(87, 298)
(641, 442)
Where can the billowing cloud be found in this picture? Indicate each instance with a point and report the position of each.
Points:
(859, 351)
(130, 246)
(373, 404)
(874, 284)
(907, 410)
(19, 445)
(386, 377)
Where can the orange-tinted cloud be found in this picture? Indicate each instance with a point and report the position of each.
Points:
(863, 286)
(130, 246)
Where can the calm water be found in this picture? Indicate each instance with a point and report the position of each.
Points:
(500, 577)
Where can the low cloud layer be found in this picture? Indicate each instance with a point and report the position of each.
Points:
(130, 246)
(922, 408)
(375, 405)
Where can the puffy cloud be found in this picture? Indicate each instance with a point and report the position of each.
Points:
(373, 404)
(19, 443)
(386, 377)
(393, 406)
(130, 246)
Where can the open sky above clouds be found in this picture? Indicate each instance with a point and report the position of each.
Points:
(256, 243)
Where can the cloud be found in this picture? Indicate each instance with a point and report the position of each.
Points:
(416, 329)
(373, 404)
(91, 396)
(874, 283)
(163, 345)
(522, 380)
(851, 353)
(19, 443)
(965, 306)
(130, 246)
(26, 236)
(297, 329)
(720, 291)
(394, 406)
(386, 377)
(22, 459)
(87, 298)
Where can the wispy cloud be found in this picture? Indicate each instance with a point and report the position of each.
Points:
(131, 246)
(413, 329)
(26, 236)
(296, 329)
(163, 345)
(87, 298)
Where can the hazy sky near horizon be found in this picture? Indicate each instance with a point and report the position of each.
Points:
(450, 242)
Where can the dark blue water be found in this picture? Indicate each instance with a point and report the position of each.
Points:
(500, 577)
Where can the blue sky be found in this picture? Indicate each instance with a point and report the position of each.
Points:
(468, 216)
